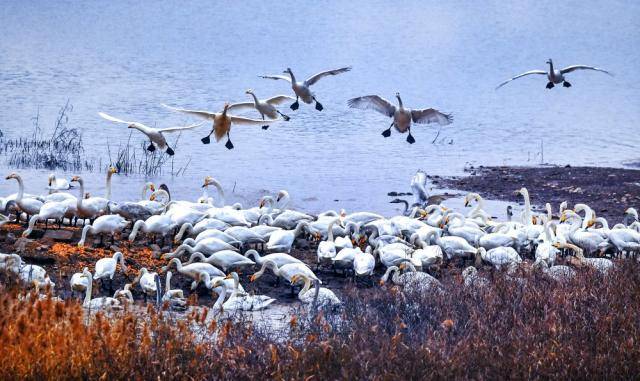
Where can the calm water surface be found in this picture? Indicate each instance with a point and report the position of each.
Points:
(126, 58)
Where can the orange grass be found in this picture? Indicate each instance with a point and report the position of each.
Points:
(584, 329)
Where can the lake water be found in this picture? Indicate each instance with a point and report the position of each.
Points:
(126, 58)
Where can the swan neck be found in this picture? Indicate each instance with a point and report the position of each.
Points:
(108, 191)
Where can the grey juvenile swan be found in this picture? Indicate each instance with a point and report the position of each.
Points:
(402, 117)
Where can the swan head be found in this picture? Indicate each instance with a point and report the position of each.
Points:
(287, 70)
(12, 176)
(249, 91)
(210, 181)
(549, 61)
(75, 179)
(282, 195)
(52, 178)
(112, 170)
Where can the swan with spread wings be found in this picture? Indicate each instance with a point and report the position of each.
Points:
(155, 135)
(302, 89)
(221, 122)
(555, 76)
(402, 117)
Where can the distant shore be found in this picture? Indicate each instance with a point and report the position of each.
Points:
(609, 191)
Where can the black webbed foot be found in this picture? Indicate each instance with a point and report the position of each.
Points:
(170, 151)
(151, 148)
(206, 140)
(566, 84)
(386, 133)
(294, 106)
(550, 85)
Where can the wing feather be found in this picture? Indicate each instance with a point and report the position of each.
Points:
(202, 114)
(181, 128)
(279, 99)
(542, 72)
(249, 121)
(569, 69)
(276, 77)
(241, 106)
(315, 78)
(116, 120)
(431, 115)
(373, 102)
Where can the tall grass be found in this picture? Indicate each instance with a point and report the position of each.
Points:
(534, 328)
(63, 149)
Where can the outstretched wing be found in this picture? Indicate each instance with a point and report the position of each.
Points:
(542, 72)
(431, 115)
(180, 128)
(313, 79)
(569, 69)
(116, 120)
(113, 119)
(201, 114)
(373, 102)
(241, 106)
(279, 99)
(282, 77)
(243, 120)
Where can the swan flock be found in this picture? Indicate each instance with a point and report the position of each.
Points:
(212, 242)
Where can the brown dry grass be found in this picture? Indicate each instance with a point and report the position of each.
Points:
(587, 328)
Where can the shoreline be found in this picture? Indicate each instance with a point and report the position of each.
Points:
(609, 191)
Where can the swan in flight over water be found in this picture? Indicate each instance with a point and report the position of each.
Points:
(221, 122)
(402, 117)
(155, 135)
(555, 76)
(302, 89)
(266, 107)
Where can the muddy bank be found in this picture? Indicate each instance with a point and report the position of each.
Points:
(609, 191)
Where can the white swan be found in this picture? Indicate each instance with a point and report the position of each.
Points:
(175, 297)
(27, 273)
(91, 207)
(302, 89)
(159, 225)
(147, 280)
(193, 270)
(555, 76)
(225, 259)
(419, 188)
(222, 122)
(402, 117)
(203, 225)
(207, 246)
(237, 302)
(454, 247)
(602, 265)
(280, 259)
(212, 233)
(106, 267)
(97, 303)
(412, 280)
(364, 263)
(428, 255)
(320, 296)
(155, 135)
(111, 224)
(286, 271)
(266, 107)
(78, 282)
(28, 205)
(49, 211)
(498, 257)
(56, 184)
(327, 249)
(124, 296)
(282, 240)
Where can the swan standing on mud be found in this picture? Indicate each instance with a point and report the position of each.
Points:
(302, 89)
(155, 135)
(402, 117)
(555, 76)
(221, 122)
